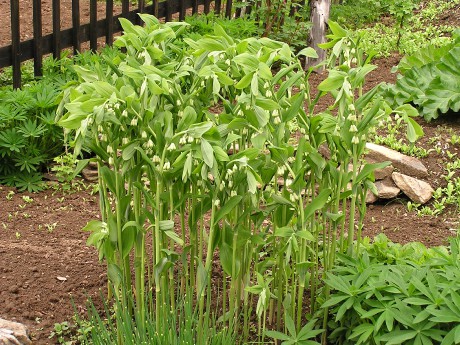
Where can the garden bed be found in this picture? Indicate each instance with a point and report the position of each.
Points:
(46, 265)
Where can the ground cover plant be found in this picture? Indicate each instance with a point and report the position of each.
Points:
(395, 294)
(411, 26)
(161, 123)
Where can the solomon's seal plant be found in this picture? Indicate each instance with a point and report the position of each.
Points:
(197, 171)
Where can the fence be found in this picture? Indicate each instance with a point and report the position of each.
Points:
(39, 45)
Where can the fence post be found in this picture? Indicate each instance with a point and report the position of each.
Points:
(56, 29)
(109, 21)
(15, 42)
(38, 54)
(93, 25)
(76, 26)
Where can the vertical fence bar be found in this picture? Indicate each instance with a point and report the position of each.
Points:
(109, 22)
(15, 41)
(238, 11)
(76, 26)
(207, 6)
(194, 6)
(124, 7)
(56, 29)
(155, 8)
(140, 8)
(168, 10)
(228, 9)
(182, 10)
(217, 6)
(93, 25)
(37, 24)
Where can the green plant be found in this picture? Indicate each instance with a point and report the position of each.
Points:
(395, 294)
(9, 196)
(201, 25)
(286, 21)
(400, 9)
(418, 31)
(430, 84)
(357, 13)
(63, 333)
(394, 137)
(194, 154)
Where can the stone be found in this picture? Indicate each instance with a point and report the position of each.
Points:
(13, 333)
(417, 190)
(387, 189)
(371, 197)
(405, 164)
(323, 149)
(89, 174)
(381, 174)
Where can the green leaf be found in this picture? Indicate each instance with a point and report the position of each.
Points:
(114, 274)
(277, 335)
(166, 225)
(308, 52)
(245, 81)
(229, 205)
(333, 82)
(207, 153)
(317, 203)
(336, 29)
(172, 235)
(398, 336)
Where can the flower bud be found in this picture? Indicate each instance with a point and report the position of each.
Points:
(149, 144)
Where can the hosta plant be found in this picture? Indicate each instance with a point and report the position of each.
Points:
(430, 80)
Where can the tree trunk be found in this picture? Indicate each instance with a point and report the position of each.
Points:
(319, 17)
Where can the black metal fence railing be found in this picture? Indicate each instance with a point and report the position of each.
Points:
(40, 45)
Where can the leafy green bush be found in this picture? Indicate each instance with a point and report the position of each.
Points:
(406, 32)
(202, 24)
(430, 80)
(28, 134)
(357, 13)
(395, 294)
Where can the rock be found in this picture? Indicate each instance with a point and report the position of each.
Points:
(381, 174)
(405, 164)
(387, 189)
(13, 333)
(371, 197)
(89, 174)
(323, 149)
(418, 191)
